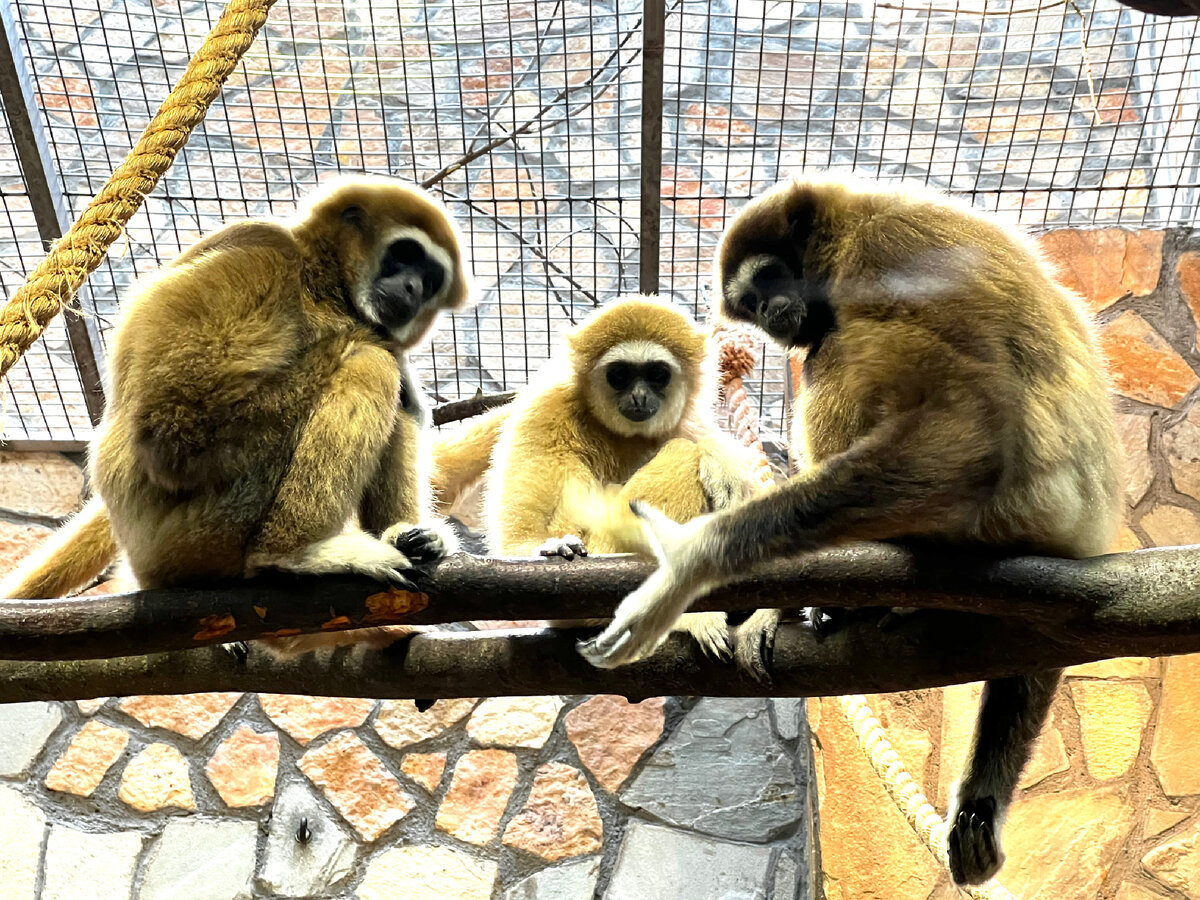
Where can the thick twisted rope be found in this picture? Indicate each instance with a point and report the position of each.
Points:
(81, 250)
(736, 361)
(917, 810)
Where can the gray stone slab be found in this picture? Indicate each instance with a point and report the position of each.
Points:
(311, 869)
(655, 861)
(84, 866)
(25, 728)
(573, 881)
(788, 711)
(785, 879)
(197, 859)
(723, 772)
(21, 827)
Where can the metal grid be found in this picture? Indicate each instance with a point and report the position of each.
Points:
(1001, 102)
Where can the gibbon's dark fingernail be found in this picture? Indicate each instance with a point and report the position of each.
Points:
(423, 705)
(303, 832)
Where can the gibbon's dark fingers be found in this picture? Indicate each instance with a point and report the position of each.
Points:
(568, 547)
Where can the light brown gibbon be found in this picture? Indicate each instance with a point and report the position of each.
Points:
(952, 393)
(260, 402)
(622, 411)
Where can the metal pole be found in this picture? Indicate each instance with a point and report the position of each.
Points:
(50, 210)
(653, 47)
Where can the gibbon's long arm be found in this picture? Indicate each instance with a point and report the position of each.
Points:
(897, 474)
(460, 459)
(332, 463)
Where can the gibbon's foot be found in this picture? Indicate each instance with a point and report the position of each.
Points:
(647, 616)
(974, 852)
(239, 650)
(422, 543)
(349, 553)
(568, 547)
(754, 644)
(826, 620)
(710, 631)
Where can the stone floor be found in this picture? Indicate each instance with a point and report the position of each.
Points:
(224, 796)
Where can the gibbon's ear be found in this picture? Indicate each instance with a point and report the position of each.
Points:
(354, 215)
(802, 215)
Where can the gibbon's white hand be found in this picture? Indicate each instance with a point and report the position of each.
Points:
(646, 616)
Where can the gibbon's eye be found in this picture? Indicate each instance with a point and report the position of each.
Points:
(354, 215)
(748, 302)
(401, 254)
(619, 375)
(774, 271)
(658, 375)
(406, 252)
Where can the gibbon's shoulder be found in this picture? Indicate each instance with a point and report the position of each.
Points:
(271, 235)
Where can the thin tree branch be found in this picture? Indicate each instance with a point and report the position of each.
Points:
(1143, 603)
(457, 410)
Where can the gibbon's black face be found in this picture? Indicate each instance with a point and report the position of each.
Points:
(408, 278)
(640, 388)
(794, 311)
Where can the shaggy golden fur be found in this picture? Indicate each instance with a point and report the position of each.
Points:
(952, 392)
(259, 400)
(565, 463)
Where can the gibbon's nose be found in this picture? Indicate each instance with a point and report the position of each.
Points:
(777, 306)
(406, 285)
(641, 406)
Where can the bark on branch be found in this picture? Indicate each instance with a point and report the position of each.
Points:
(1057, 611)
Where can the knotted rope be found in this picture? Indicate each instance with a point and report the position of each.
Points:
(912, 803)
(736, 360)
(80, 251)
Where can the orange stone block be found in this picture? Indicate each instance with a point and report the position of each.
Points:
(1144, 366)
(424, 768)
(243, 768)
(88, 758)
(1171, 526)
(91, 707)
(479, 792)
(1106, 264)
(1188, 271)
(1173, 752)
(305, 718)
(358, 784)
(863, 855)
(192, 715)
(560, 818)
(400, 724)
(610, 735)
(157, 778)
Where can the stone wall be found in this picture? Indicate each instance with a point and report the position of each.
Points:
(207, 796)
(1108, 805)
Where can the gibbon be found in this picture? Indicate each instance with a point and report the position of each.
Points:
(952, 392)
(260, 399)
(622, 411)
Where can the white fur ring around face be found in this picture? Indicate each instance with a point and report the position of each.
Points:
(646, 616)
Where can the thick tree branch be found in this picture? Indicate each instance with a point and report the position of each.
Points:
(924, 650)
(1144, 603)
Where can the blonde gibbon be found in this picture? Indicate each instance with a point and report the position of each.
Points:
(260, 400)
(622, 411)
(952, 392)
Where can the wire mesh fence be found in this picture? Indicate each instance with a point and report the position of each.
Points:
(528, 115)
